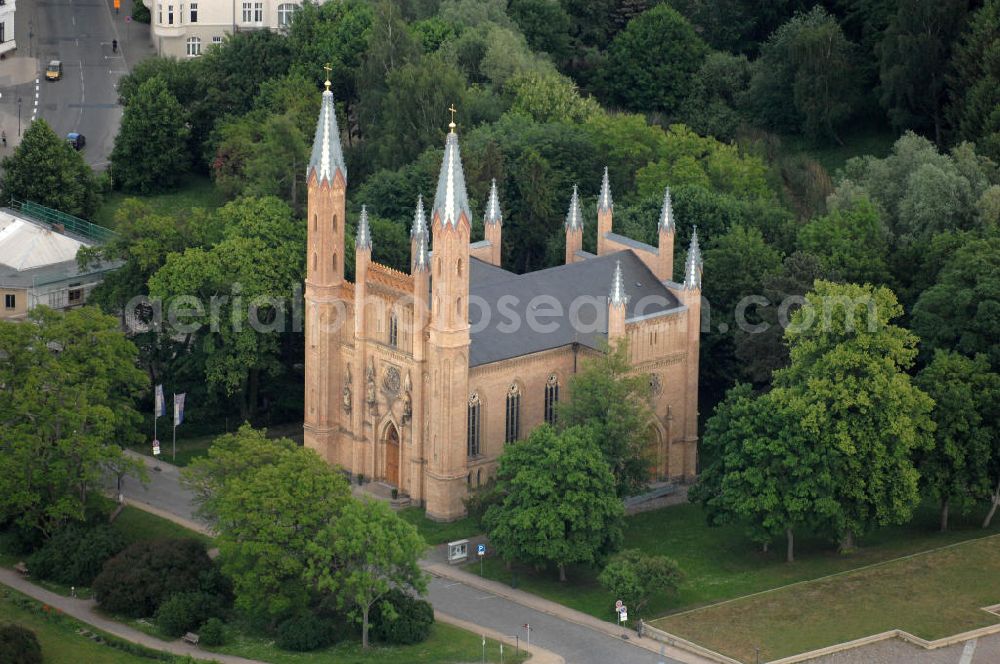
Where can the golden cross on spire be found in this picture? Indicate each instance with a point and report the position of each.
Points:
(328, 69)
(451, 125)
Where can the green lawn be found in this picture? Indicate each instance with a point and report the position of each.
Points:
(721, 563)
(136, 525)
(189, 449)
(439, 533)
(57, 634)
(195, 191)
(931, 595)
(446, 645)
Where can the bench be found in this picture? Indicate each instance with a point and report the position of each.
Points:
(191, 638)
(21, 568)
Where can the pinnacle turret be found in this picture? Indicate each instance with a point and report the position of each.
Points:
(617, 297)
(493, 214)
(451, 199)
(666, 212)
(327, 156)
(419, 219)
(692, 268)
(364, 236)
(574, 220)
(604, 202)
(421, 257)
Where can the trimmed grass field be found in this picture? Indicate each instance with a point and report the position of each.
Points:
(722, 563)
(194, 192)
(439, 533)
(136, 525)
(189, 449)
(931, 595)
(57, 634)
(446, 645)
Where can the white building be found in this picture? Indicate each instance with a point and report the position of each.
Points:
(7, 43)
(185, 28)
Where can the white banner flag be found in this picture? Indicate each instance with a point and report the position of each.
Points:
(160, 405)
(179, 408)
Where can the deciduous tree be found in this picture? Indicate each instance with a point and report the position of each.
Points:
(636, 577)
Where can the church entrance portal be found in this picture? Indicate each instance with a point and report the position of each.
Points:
(392, 455)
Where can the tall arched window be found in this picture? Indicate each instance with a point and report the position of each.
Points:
(285, 13)
(193, 47)
(393, 330)
(472, 444)
(513, 414)
(551, 398)
(334, 222)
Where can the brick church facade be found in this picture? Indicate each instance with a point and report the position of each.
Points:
(419, 380)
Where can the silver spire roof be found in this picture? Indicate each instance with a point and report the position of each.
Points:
(451, 200)
(364, 237)
(419, 219)
(421, 258)
(618, 297)
(692, 268)
(666, 212)
(493, 214)
(327, 156)
(604, 201)
(574, 220)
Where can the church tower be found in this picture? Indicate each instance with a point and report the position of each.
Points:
(617, 301)
(574, 228)
(492, 222)
(326, 315)
(448, 344)
(665, 248)
(604, 211)
(690, 295)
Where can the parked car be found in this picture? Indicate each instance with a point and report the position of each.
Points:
(76, 140)
(54, 71)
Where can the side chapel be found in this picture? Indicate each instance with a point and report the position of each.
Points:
(402, 387)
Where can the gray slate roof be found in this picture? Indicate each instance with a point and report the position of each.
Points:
(327, 155)
(591, 278)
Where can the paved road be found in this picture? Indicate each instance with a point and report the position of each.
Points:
(79, 33)
(576, 643)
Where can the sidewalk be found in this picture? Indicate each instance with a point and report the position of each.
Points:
(84, 611)
(443, 570)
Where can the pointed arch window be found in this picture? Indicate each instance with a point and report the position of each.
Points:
(513, 430)
(393, 330)
(475, 421)
(551, 398)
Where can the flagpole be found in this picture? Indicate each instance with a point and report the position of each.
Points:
(174, 459)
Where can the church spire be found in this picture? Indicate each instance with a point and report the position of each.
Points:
(604, 201)
(419, 219)
(574, 220)
(364, 237)
(421, 257)
(692, 269)
(666, 212)
(451, 200)
(618, 297)
(327, 156)
(493, 214)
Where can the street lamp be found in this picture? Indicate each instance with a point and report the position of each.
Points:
(18, 117)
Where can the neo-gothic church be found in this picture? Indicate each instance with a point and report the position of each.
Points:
(419, 380)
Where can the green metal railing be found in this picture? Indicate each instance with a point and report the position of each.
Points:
(68, 222)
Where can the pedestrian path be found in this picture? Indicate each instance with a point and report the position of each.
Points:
(84, 610)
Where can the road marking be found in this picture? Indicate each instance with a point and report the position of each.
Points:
(968, 651)
(487, 597)
(452, 585)
(73, 18)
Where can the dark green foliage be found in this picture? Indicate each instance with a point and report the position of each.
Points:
(151, 152)
(652, 62)
(401, 619)
(718, 96)
(545, 25)
(975, 82)
(140, 12)
(75, 554)
(183, 612)
(304, 632)
(636, 577)
(853, 243)
(45, 169)
(19, 645)
(140, 578)
(212, 633)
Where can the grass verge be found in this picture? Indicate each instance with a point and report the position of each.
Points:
(189, 449)
(931, 595)
(57, 634)
(721, 563)
(439, 533)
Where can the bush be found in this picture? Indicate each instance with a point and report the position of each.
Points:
(212, 633)
(19, 645)
(136, 581)
(140, 12)
(304, 632)
(183, 612)
(76, 554)
(412, 623)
